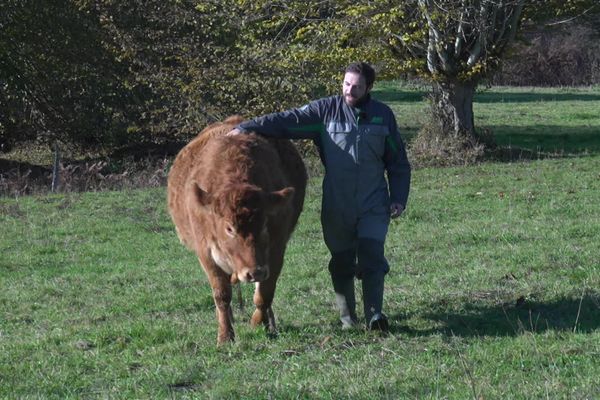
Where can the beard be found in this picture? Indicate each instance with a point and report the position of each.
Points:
(352, 101)
(355, 101)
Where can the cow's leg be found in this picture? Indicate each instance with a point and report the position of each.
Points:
(222, 297)
(264, 293)
(263, 299)
(221, 289)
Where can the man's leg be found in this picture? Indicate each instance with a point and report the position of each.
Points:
(341, 241)
(372, 268)
(342, 268)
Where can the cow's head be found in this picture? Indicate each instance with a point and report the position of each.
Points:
(238, 233)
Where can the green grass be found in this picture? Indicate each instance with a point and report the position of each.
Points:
(544, 120)
(493, 293)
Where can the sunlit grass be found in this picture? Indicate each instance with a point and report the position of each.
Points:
(548, 120)
(493, 293)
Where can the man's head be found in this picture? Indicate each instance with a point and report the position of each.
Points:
(358, 82)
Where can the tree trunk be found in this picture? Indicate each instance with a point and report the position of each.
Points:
(453, 108)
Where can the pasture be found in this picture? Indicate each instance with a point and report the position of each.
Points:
(494, 290)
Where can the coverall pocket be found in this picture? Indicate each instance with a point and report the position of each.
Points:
(375, 137)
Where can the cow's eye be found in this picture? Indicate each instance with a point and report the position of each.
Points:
(229, 230)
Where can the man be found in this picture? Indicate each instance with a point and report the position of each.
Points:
(358, 140)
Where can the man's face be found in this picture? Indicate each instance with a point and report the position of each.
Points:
(354, 88)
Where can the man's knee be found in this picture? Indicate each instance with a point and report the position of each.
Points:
(371, 258)
(343, 263)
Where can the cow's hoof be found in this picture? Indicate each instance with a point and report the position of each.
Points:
(225, 338)
(258, 318)
(266, 319)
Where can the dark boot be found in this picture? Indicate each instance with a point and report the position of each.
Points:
(372, 286)
(373, 267)
(342, 268)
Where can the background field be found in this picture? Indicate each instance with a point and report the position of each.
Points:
(494, 289)
(544, 120)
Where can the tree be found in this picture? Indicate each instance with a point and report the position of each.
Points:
(559, 11)
(453, 44)
(464, 42)
(101, 74)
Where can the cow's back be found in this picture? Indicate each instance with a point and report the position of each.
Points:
(211, 160)
(180, 176)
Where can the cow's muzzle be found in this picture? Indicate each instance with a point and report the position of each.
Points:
(258, 274)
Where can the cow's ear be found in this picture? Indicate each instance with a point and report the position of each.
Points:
(279, 198)
(203, 198)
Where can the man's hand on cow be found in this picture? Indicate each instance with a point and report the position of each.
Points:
(396, 210)
(234, 132)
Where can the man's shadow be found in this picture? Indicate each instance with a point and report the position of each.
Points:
(581, 315)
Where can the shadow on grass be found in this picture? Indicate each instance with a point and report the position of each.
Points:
(528, 97)
(565, 314)
(518, 143)
(548, 138)
(394, 95)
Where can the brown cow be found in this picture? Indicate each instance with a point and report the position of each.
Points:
(235, 201)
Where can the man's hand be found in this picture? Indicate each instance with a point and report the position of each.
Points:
(396, 209)
(234, 132)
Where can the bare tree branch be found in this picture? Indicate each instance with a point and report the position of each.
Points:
(565, 21)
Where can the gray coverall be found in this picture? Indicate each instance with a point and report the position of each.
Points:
(356, 145)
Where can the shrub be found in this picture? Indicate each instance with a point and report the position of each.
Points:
(434, 146)
(553, 57)
(86, 176)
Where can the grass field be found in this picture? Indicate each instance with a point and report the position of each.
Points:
(494, 290)
(544, 120)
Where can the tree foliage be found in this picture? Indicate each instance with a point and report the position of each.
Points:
(453, 44)
(58, 80)
(100, 74)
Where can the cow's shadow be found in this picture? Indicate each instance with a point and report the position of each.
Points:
(475, 320)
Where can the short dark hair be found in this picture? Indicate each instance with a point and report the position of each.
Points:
(364, 69)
